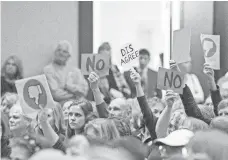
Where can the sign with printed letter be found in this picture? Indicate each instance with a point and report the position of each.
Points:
(129, 56)
(99, 63)
(181, 45)
(170, 80)
(34, 94)
(211, 49)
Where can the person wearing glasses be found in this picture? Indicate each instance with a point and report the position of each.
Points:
(65, 82)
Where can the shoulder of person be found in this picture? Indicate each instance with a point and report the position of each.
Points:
(48, 68)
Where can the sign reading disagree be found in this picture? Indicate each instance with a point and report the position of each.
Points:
(129, 56)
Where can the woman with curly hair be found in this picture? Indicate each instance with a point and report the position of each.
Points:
(12, 70)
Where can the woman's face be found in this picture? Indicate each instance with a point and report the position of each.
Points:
(19, 153)
(11, 67)
(50, 114)
(16, 119)
(76, 117)
(5, 107)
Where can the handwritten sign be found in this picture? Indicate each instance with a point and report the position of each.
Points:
(211, 48)
(170, 80)
(99, 63)
(181, 45)
(34, 93)
(129, 56)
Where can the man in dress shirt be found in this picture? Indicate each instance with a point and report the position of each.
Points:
(148, 77)
(65, 82)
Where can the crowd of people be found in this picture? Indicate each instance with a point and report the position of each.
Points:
(127, 117)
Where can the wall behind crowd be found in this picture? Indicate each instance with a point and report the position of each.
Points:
(32, 29)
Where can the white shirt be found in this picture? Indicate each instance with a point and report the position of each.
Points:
(193, 83)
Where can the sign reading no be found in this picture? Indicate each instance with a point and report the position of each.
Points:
(99, 63)
(170, 80)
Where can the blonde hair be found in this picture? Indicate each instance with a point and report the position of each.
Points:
(66, 43)
(194, 124)
(104, 128)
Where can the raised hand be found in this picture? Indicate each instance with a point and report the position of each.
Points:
(135, 77)
(170, 97)
(209, 72)
(173, 65)
(93, 80)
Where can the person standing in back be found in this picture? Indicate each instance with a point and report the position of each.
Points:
(149, 77)
(65, 82)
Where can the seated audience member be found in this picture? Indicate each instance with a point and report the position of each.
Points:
(174, 143)
(213, 143)
(5, 135)
(156, 105)
(223, 108)
(118, 107)
(12, 70)
(220, 123)
(23, 148)
(19, 124)
(102, 128)
(7, 101)
(65, 81)
(223, 86)
(55, 118)
(194, 124)
(113, 85)
(78, 146)
(149, 77)
(193, 83)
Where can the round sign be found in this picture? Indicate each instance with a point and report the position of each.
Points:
(34, 94)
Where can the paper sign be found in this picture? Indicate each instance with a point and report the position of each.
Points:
(33, 93)
(129, 56)
(211, 49)
(170, 80)
(99, 63)
(181, 45)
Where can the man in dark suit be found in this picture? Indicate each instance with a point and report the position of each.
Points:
(149, 77)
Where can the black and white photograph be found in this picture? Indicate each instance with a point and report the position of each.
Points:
(114, 80)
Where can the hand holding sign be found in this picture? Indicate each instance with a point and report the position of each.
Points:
(170, 97)
(93, 80)
(34, 94)
(211, 48)
(99, 63)
(135, 77)
(170, 80)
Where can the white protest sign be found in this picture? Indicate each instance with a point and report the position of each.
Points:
(33, 93)
(170, 80)
(181, 45)
(99, 63)
(129, 56)
(211, 48)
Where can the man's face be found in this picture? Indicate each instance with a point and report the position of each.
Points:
(62, 55)
(143, 61)
(16, 119)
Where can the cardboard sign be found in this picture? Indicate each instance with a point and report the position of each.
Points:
(170, 80)
(33, 93)
(129, 56)
(181, 45)
(99, 63)
(211, 48)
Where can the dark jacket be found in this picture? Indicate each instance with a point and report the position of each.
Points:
(152, 84)
(7, 87)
